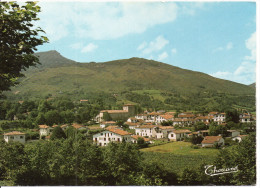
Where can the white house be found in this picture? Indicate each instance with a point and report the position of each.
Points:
(45, 130)
(177, 135)
(111, 135)
(233, 133)
(163, 131)
(141, 116)
(210, 141)
(161, 118)
(183, 122)
(245, 119)
(145, 130)
(205, 119)
(132, 120)
(219, 118)
(132, 125)
(14, 136)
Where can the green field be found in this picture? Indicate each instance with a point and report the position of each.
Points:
(176, 156)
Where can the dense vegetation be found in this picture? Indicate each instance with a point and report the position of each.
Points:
(74, 161)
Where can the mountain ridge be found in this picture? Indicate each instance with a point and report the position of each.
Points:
(57, 73)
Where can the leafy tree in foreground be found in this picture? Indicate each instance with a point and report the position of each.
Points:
(242, 155)
(18, 41)
(57, 133)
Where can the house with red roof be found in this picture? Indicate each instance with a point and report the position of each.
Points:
(163, 117)
(111, 135)
(45, 130)
(177, 135)
(14, 136)
(210, 141)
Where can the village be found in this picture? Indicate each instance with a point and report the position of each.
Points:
(148, 126)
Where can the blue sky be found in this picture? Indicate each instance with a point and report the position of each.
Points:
(217, 38)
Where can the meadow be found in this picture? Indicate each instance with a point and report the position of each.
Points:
(176, 156)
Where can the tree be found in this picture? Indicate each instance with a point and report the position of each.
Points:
(57, 133)
(141, 143)
(18, 41)
(196, 139)
(242, 155)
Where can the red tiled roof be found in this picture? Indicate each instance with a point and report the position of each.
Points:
(112, 127)
(182, 120)
(155, 114)
(55, 126)
(137, 136)
(166, 127)
(146, 126)
(119, 131)
(204, 131)
(65, 125)
(203, 117)
(14, 133)
(213, 113)
(182, 131)
(167, 116)
(43, 126)
(211, 139)
(77, 126)
(108, 122)
(132, 124)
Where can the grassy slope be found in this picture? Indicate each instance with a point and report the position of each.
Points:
(60, 74)
(176, 156)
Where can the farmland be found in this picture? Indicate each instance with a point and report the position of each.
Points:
(176, 156)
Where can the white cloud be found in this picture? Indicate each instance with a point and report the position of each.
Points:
(155, 45)
(103, 20)
(191, 7)
(245, 74)
(174, 50)
(89, 48)
(142, 46)
(162, 56)
(251, 45)
(228, 46)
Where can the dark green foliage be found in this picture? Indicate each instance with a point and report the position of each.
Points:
(215, 130)
(167, 123)
(141, 143)
(232, 116)
(242, 155)
(18, 41)
(200, 126)
(196, 139)
(57, 133)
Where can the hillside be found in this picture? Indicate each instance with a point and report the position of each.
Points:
(57, 74)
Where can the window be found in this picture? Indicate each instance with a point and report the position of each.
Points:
(105, 134)
(11, 137)
(109, 139)
(171, 135)
(101, 134)
(118, 139)
(21, 137)
(104, 139)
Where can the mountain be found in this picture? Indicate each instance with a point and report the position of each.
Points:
(57, 74)
(252, 85)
